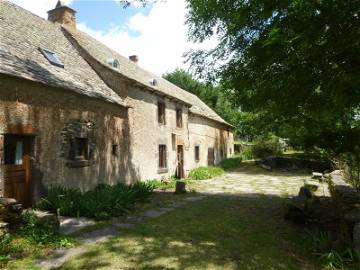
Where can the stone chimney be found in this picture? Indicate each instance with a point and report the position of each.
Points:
(63, 14)
(134, 58)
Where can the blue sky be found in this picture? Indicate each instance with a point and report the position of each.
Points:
(111, 14)
(156, 33)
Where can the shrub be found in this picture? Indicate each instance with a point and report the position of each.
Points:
(231, 162)
(266, 146)
(102, 203)
(246, 153)
(41, 233)
(203, 173)
(351, 167)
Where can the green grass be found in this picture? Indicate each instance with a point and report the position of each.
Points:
(216, 233)
(231, 163)
(203, 173)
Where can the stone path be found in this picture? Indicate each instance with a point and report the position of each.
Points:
(255, 181)
(248, 180)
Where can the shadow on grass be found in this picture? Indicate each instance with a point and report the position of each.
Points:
(238, 231)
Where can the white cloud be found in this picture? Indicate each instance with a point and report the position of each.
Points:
(161, 34)
(38, 7)
(161, 39)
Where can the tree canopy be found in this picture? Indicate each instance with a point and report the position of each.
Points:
(294, 63)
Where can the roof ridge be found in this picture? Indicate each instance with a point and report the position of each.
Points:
(79, 35)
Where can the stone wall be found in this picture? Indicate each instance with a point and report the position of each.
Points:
(49, 111)
(147, 133)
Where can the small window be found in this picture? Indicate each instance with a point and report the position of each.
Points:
(153, 82)
(197, 153)
(13, 151)
(179, 123)
(79, 149)
(114, 150)
(52, 57)
(162, 156)
(114, 63)
(161, 113)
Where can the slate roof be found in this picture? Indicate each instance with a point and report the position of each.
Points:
(23, 33)
(129, 69)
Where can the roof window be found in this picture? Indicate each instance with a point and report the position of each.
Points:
(114, 63)
(52, 57)
(153, 82)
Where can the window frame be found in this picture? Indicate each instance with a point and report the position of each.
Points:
(162, 162)
(52, 57)
(197, 153)
(179, 118)
(161, 112)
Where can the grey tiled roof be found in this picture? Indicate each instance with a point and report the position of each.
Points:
(23, 33)
(131, 70)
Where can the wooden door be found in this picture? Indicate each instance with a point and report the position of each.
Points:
(17, 167)
(180, 163)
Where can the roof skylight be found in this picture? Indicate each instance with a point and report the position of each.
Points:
(52, 57)
(114, 63)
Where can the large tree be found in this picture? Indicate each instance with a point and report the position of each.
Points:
(294, 62)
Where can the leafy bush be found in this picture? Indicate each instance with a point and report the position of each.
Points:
(333, 254)
(41, 233)
(351, 168)
(102, 203)
(231, 162)
(246, 153)
(266, 146)
(203, 173)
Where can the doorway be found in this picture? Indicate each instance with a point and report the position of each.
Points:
(17, 171)
(180, 162)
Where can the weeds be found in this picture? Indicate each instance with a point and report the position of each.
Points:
(203, 173)
(102, 203)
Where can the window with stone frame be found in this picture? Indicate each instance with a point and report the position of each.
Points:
(78, 143)
(161, 113)
(197, 153)
(79, 149)
(162, 156)
(179, 122)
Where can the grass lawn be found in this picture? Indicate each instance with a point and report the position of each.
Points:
(216, 233)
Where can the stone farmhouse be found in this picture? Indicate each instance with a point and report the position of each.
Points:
(75, 113)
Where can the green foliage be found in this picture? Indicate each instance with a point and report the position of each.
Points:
(293, 64)
(231, 163)
(203, 173)
(340, 257)
(351, 166)
(102, 203)
(246, 153)
(41, 233)
(6, 247)
(265, 146)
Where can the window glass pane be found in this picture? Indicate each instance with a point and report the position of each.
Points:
(19, 153)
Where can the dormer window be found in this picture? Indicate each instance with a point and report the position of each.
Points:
(52, 57)
(153, 82)
(114, 63)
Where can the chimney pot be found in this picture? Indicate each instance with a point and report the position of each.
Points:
(134, 58)
(63, 14)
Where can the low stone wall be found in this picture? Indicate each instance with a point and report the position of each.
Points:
(276, 162)
(347, 201)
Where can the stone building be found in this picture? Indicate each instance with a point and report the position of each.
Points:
(75, 113)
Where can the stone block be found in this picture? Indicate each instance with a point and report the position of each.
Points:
(180, 187)
(317, 175)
